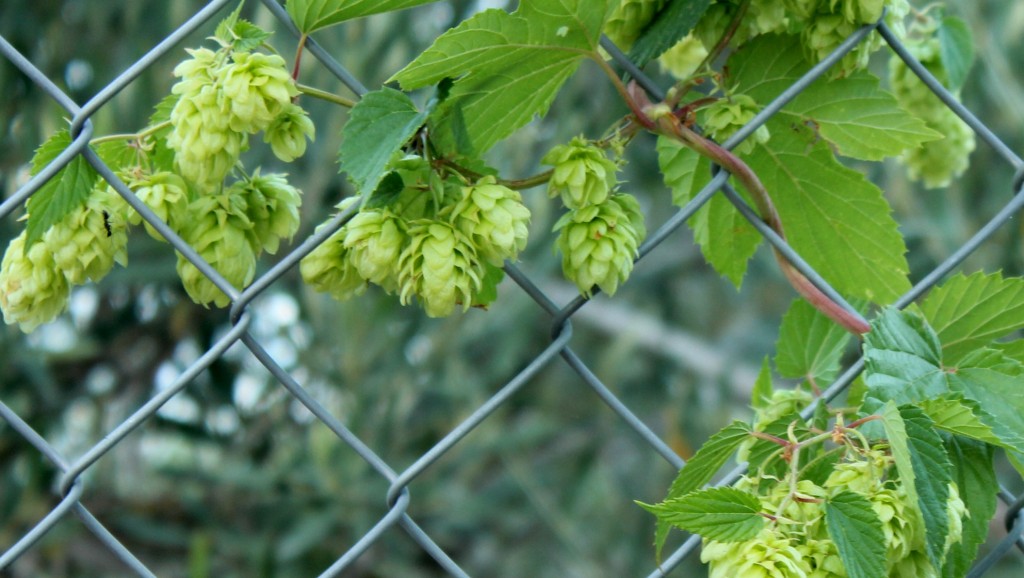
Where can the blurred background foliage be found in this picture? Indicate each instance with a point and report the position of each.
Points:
(234, 478)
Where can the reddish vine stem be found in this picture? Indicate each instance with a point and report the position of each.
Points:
(670, 125)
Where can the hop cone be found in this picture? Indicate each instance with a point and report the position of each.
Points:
(87, 242)
(439, 267)
(583, 174)
(256, 89)
(727, 115)
(598, 243)
(328, 269)
(205, 146)
(272, 206)
(33, 290)
(768, 555)
(218, 229)
(288, 132)
(374, 240)
(494, 218)
(628, 19)
(166, 194)
(683, 59)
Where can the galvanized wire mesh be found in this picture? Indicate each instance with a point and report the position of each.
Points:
(72, 488)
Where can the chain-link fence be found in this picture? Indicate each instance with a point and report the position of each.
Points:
(73, 487)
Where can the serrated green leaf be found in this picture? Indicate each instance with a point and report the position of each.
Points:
(378, 126)
(858, 535)
(117, 154)
(722, 514)
(702, 467)
(924, 468)
(488, 292)
(964, 417)
(956, 50)
(726, 239)
(763, 388)
(507, 67)
(313, 15)
(670, 25)
(903, 359)
(976, 482)
(853, 114)
(63, 193)
(968, 312)
(223, 30)
(994, 382)
(810, 344)
(836, 219)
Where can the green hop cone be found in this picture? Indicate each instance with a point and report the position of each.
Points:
(901, 536)
(864, 475)
(33, 291)
(439, 267)
(684, 57)
(218, 229)
(494, 218)
(598, 243)
(256, 88)
(374, 239)
(272, 206)
(88, 241)
(801, 10)
(821, 558)
(583, 174)
(288, 132)
(956, 509)
(727, 115)
(328, 269)
(770, 554)
(166, 194)
(858, 11)
(205, 147)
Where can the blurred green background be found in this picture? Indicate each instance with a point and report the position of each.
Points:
(234, 478)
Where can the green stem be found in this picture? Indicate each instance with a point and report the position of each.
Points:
(131, 136)
(528, 182)
(324, 95)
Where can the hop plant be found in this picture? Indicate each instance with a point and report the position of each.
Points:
(33, 290)
(494, 218)
(166, 194)
(936, 163)
(725, 116)
(88, 241)
(439, 267)
(288, 132)
(599, 242)
(768, 555)
(218, 229)
(583, 174)
(272, 206)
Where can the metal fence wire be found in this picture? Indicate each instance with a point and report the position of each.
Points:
(72, 487)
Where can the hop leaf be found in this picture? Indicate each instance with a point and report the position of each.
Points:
(583, 175)
(599, 242)
(33, 290)
(218, 229)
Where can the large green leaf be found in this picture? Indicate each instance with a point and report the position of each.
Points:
(378, 126)
(313, 15)
(853, 114)
(722, 514)
(964, 417)
(810, 344)
(858, 535)
(956, 50)
(968, 312)
(837, 220)
(507, 67)
(726, 239)
(977, 484)
(924, 468)
(65, 192)
(994, 382)
(702, 467)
